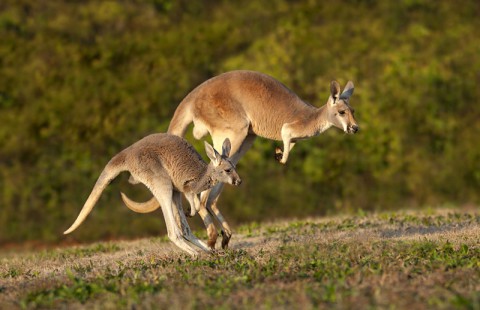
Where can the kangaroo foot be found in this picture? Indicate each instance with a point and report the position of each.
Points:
(278, 154)
(212, 236)
(188, 211)
(225, 239)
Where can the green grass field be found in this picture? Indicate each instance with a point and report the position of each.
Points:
(415, 260)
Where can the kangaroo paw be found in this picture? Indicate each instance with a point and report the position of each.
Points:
(225, 239)
(188, 212)
(211, 244)
(278, 154)
(212, 236)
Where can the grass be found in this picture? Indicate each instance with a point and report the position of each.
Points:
(415, 260)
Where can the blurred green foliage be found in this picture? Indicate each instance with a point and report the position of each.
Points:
(81, 80)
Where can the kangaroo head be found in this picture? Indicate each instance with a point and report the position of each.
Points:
(223, 169)
(340, 113)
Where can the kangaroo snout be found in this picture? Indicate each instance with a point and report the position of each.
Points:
(353, 129)
(237, 182)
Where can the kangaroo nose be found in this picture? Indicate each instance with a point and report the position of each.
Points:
(355, 128)
(238, 182)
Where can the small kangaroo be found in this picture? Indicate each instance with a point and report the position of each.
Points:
(168, 165)
(241, 105)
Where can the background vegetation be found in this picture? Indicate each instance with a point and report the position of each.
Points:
(81, 80)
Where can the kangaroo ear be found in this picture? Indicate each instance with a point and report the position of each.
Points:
(347, 91)
(226, 147)
(334, 90)
(212, 154)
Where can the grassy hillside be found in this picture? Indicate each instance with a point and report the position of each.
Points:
(414, 260)
(81, 80)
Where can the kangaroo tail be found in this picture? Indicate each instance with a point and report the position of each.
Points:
(141, 207)
(108, 174)
(181, 119)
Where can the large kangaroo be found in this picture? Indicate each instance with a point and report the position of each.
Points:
(167, 165)
(241, 105)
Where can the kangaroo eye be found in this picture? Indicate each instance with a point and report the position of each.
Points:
(228, 170)
(341, 112)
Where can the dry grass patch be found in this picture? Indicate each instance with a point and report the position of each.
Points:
(387, 260)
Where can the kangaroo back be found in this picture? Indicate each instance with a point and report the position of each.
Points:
(239, 101)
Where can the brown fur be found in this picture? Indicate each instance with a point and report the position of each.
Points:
(167, 165)
(156, 152)
(241, 100)
(241, 105)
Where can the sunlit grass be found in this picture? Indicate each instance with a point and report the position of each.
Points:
(399, 260)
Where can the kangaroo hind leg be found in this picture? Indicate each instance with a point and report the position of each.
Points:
(163, 192)
(182, 222)
(199, 129)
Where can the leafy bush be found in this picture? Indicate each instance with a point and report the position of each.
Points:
(79, 81)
